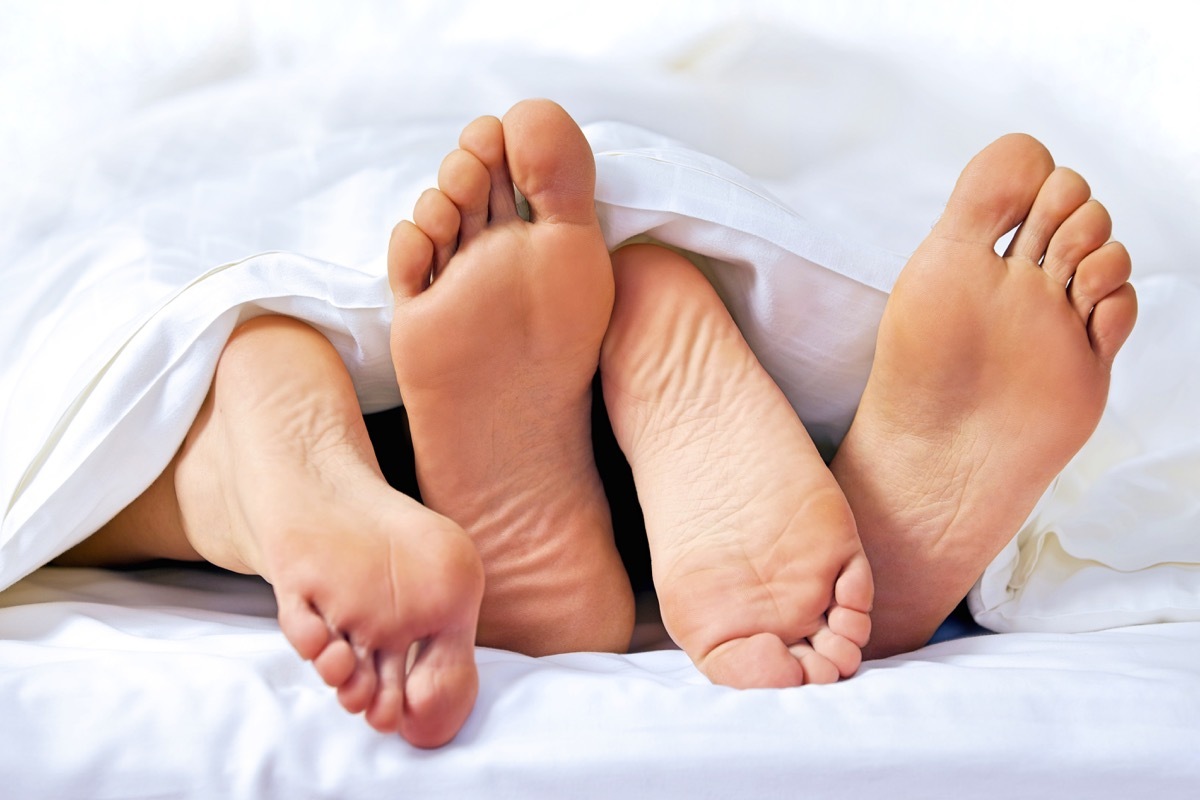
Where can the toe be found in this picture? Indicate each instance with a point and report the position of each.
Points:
(358, 691)
(438, 218)
(854, 589)
(996, 190)
(761, 661)
(550, 162)
(1098, 275)
(850, 624)
(387, 707)
(818, 668)
(441, 688)
(1083, 233)
(484, 138)
(841, 652)
(336, 663)
(410, 260)
(304, 628)
(1111, 322)
(1057, 199)
(465, 180)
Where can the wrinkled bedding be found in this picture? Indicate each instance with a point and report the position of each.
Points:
(184, 174)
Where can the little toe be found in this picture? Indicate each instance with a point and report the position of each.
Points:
(302, 626)
(996, 190)
(550, 162)
(1098, 275)
(465, 180)
(336, 663)
(1083, 233)
(1111, 322)
(484, 138)
(1057, 199)
(410, 260)
(438, 218)
(761, 661)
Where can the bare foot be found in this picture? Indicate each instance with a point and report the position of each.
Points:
(990, 373)
(277, 478)
(496, 339)
(759, 571)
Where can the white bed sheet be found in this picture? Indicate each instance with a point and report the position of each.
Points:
(148, 148)
(170, 684)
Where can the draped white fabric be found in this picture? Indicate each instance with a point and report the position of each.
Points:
(171, 171)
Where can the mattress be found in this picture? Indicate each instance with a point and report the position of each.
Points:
(173, 173)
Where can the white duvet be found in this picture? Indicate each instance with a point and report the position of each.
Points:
(136, 246)
(172, 174)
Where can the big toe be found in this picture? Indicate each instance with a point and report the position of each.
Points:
(761, 661)
(550, 162)
(440, 690)
(996, 190)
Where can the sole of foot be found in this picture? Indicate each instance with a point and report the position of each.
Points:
(496, 338)
(991, 371)
(278, 478)
(760, 575)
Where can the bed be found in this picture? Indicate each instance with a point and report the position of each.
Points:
(173, 170)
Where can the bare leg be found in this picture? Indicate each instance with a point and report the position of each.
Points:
(277, 478)
(990, 373)
(759, 571)
(496, 338)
